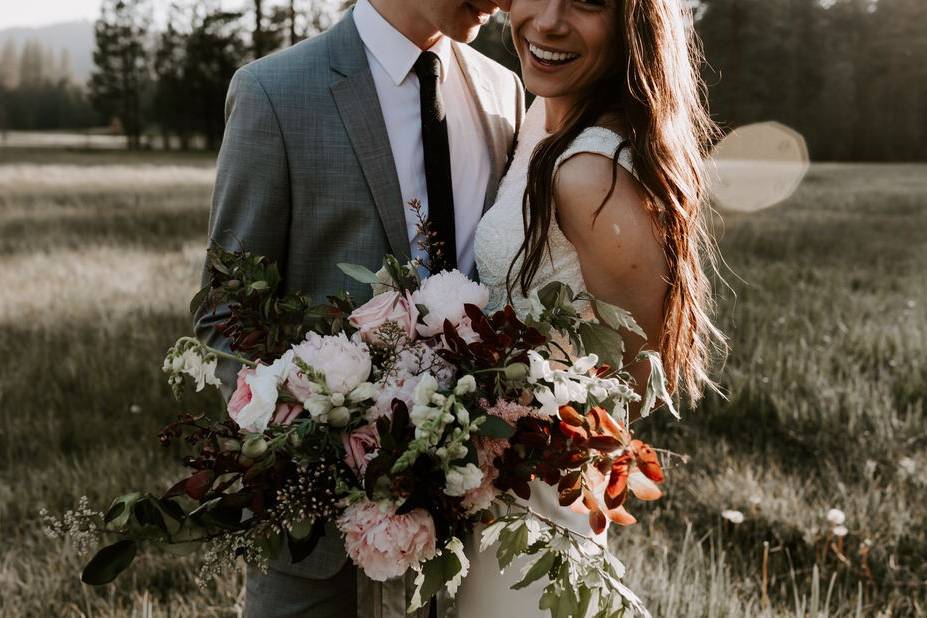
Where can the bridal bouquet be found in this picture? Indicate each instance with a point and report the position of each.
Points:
(406, 423)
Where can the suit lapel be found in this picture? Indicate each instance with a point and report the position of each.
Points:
(355, 96)
(492, 121)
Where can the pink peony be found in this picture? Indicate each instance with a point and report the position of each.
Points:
(286, 413)
(361, 446)
(242, 395)
(487, 449)
(383, 308)
(384, 544)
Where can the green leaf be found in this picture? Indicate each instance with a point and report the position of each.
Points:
(109, 562)
(555, 294)
(656, 385)
(537, 570)
(603, 342)
(199, 298)
(617, 318)
(438, 571)
(119, 512)
(495, 427)
(359, 273)
(511, 544)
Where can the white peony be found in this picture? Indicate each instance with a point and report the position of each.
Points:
(461, 479)
(264, 384)
(345, 364)
(444, 295)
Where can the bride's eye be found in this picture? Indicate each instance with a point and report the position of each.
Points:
(592, 4)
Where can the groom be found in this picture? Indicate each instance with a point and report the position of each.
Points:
(325, 144)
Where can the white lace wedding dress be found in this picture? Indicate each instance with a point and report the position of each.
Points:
(486, 593)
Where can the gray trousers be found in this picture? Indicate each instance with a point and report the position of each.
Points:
(281, 595)
(348, 594)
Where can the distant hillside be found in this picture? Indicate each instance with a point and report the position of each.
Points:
(75, 36)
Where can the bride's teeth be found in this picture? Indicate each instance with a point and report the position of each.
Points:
(543, 54)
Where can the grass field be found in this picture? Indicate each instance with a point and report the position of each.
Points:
(827, 384)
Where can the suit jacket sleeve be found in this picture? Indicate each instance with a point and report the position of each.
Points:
(251, 200)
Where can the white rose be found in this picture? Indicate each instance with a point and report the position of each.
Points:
(265, 386)
(444, 295)
(345, 364)
(461, 479)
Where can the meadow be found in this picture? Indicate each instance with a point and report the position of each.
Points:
(825, 386)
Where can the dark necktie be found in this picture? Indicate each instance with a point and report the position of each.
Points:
(437, 161)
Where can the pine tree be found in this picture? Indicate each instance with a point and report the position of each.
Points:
(9, 66)
(121, 73)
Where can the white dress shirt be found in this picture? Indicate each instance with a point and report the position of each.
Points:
(391, 57)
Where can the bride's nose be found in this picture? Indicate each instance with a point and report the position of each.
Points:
(550, 17)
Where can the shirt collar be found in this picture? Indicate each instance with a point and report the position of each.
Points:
(395, 53)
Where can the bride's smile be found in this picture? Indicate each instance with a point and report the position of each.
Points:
(565, 46)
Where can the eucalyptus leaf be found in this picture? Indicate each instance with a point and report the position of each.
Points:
(359, 273)
(656, 385)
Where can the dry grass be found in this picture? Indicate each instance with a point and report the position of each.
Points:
(827, 385)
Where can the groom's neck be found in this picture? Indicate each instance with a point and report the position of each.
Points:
(408, 18)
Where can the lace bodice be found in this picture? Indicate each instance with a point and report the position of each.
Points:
(501, 231)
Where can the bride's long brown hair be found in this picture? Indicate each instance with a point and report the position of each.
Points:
(658, 96)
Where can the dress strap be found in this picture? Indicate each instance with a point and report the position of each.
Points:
(602, 141)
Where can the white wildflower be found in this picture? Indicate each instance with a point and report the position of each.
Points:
(836, 517)
(735, 517)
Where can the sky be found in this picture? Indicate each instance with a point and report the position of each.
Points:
(30, 13)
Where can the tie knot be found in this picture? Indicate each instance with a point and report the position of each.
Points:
(428, 65)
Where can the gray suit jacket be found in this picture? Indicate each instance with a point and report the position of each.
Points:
(306, 177)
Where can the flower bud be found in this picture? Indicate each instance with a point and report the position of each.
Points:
(339, 417)
(254, 446)
(337, 399)
(230, 445)
(516, 372)
(233, 284)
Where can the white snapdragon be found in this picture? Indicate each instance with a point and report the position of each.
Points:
(425, 390)
(461, 479)
(465, 386)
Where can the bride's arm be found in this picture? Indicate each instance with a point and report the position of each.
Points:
(620, 251)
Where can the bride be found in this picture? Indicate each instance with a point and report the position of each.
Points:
(604, 193)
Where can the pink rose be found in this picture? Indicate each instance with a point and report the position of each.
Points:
(242, 395)
(384, 544)
(286, 413)
(383, 308)
(361, 445)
